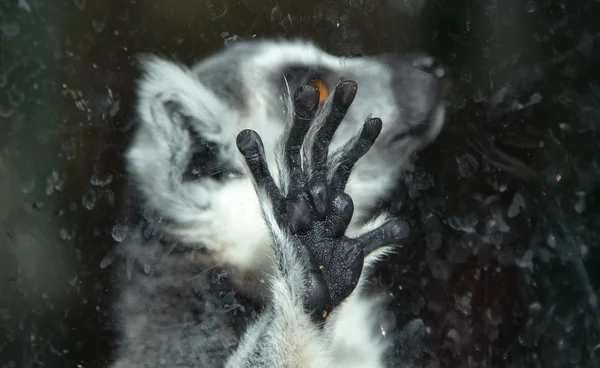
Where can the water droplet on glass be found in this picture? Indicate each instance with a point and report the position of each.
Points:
(98, 25)
(535, 98)
(551, 240)
(465, 223)
(517, 204)
(69, 149)
(461, 251)
(433, 240)
(419, 180)
(119, 232)
(387, 323)
(59, 184)
(53, 182)
(106, 261)
(73, 281)
(412, 7)
(10, 30)
(530, 6)
(129, 266)
(275, 17)
(506, 256)
(494, 316)
(114, 108)
(88, 200)
(527, 260)
(3, 80)
(215, 10)
(331, 15)
(23, 4)
(96, 181)
(80, 4)
(499, 222)
(463, 303)
(49, 186)
(467, 165)
(229, 299)
(64, 234)
(593, 300)
(584, 250)
(440, 269)
(110, 197)
(579, 202)
(6, 112)
(586, 45)
(229, 39)
(454, 335)
(574, 355)
(535, 307)
(565, 127)
(28, 186)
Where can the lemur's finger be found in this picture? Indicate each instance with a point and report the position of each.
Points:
(369, 133)
(340, 215)
(393, 232)
(344, 94)
(344, 271)
(316, 299)
(251, 147)
(306, 102)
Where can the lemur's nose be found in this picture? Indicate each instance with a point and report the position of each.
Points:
(419, 85)
(431, 65)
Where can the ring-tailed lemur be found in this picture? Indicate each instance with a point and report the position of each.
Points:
(304, 246)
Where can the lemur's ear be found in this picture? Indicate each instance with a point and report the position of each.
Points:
(175, 92)
(180, 122)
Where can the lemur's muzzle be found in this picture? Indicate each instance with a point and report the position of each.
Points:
(419, 86)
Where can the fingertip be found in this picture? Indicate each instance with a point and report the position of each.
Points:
(248, 141)
(372, 128)
(345, 91)
(306, 100)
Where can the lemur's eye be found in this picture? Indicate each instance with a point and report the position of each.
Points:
(323, 90)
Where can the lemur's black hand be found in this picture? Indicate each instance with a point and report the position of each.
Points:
(312, 206)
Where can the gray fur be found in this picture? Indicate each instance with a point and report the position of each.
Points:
(171, 313)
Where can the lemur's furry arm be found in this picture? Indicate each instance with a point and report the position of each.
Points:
(316, 266)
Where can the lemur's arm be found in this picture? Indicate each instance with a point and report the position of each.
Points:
(317, 266)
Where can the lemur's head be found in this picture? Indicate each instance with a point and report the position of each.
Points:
(184, 158)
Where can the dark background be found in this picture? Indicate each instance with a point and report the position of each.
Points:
(504, 206)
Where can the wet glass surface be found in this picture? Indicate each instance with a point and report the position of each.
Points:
(504, 205)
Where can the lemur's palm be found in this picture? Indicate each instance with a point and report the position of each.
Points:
(311, 208)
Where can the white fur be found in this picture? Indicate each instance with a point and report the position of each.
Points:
(291, 339)
(220, 220)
